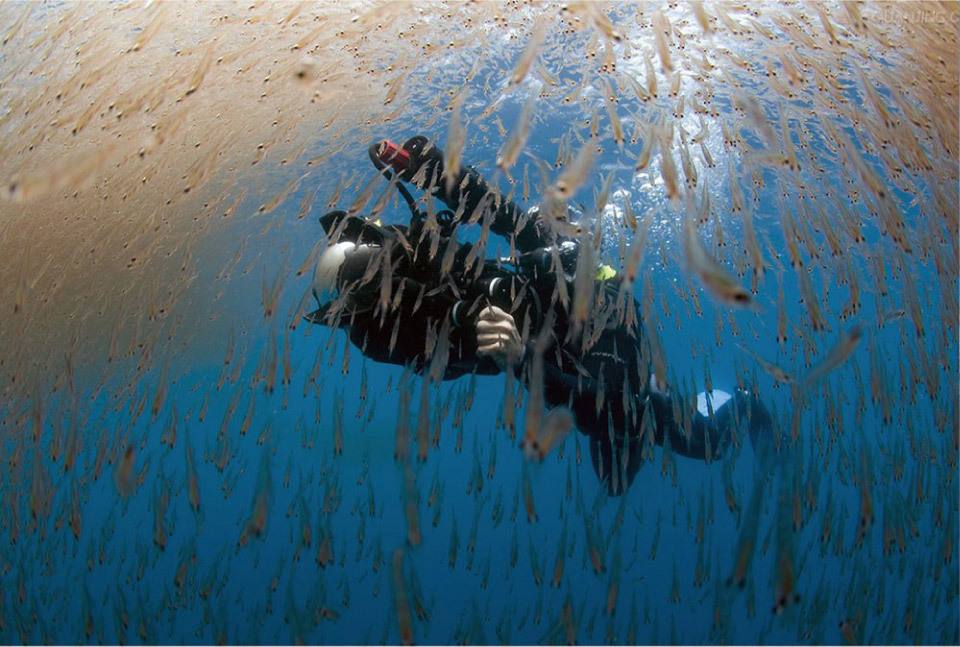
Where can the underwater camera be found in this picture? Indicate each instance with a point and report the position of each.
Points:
(512, 292)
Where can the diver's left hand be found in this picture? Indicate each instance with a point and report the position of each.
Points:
(498, 337)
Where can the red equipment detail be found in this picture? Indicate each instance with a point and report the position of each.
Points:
(396, 156)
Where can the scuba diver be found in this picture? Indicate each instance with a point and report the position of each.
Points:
(415, 296)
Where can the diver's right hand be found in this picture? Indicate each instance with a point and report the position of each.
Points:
(498, 337)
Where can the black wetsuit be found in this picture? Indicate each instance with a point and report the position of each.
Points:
(602, 375)
(393, 265)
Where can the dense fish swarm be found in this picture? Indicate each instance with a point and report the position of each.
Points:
(184, 460)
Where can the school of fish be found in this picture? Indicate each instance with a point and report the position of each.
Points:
(186, 460)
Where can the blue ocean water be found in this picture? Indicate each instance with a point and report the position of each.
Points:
(251, 494)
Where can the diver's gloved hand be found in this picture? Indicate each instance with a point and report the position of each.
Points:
(498, 337)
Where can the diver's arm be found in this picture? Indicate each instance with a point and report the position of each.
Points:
(467, 192)
(400, 335)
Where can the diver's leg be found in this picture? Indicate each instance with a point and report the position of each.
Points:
(751, 414)
(688, 436)
(615, 463)
(715, 424)
(601, 456)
